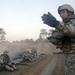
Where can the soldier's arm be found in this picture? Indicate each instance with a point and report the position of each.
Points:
(68, 30)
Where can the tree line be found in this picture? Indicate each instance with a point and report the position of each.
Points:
(42, 35)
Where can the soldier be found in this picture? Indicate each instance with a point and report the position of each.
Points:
(64, 34)
(34, 52)
(7, 62)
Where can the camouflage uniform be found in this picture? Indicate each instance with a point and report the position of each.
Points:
(63, 36)
(6, 58)
(66, 42)
(7, 62)
(69, 64)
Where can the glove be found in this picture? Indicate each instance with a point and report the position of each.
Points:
(49, 19)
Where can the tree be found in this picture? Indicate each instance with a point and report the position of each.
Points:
(2, 34)
(43, 33)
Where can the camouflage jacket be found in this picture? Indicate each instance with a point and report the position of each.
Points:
(67, 27)
(64, 35)
(6, 58)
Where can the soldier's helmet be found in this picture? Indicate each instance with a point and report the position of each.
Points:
(66, 7)
(5, 52)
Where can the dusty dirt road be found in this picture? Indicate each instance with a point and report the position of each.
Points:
(59, 68)
(38, 66)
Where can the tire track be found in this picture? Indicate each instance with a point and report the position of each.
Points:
(50, 67)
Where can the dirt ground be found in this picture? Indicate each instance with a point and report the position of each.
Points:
(59, 69)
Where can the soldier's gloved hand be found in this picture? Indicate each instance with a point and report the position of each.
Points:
(49, 19)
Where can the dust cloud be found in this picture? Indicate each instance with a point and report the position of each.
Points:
(15, 48)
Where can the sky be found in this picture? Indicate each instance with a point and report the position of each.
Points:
(21, 19)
